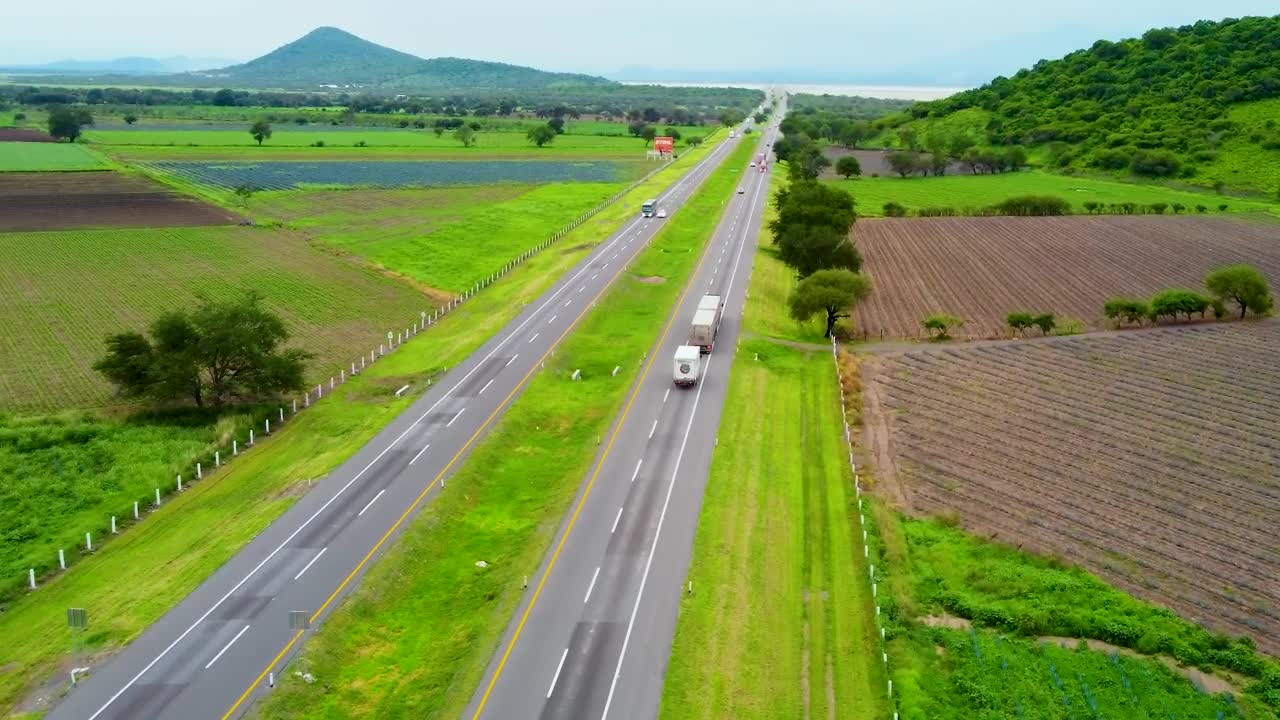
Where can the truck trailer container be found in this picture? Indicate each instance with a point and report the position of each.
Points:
(688, 365)
(706, 323)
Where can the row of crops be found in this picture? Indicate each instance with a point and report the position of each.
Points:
(388, 174)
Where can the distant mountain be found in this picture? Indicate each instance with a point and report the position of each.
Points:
(329, 57)
(125, 65)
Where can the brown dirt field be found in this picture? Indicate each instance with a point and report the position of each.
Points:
(982, 269)
(64, 201)
(12, 134)
(1150, 458)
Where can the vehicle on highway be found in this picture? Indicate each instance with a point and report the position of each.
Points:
(648, 208)
(733, 134)
(688, 364)
(706, 323)
(753, 163)
(662, 212)
(741, 190)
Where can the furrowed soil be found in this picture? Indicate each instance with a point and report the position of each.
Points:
(63, 201)
(1148, 457)
(982, 269)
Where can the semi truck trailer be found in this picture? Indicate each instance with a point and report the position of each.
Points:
(706, 323)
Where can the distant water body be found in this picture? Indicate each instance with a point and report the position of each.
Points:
(891, 92)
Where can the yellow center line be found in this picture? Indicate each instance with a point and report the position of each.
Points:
(573, 519)
(412, 506)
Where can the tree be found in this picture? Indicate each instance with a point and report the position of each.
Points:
(730, 117)
(225, 97)
(940, 325)
(260, 131)
(812, 204)
(637, 127)
(557, 125)
(466, 135)
(438, 130)
(909, 138)
(1126, 310)
(541, 134)
(648, 134)
(1176, 301)
(1045, 322)
(894, 210)
(244, 192)
(68, 122)
(693, 141)
(222, 352)
(849, 167)
(1242, 285)
(904, 163)
(810, 248)
(1020, 322)
(807, 163)
(1015, 158)
(673, 133)
(130, 119)
(834, 292)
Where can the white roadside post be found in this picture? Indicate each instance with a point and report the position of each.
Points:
(31, 578)
(250, 436)
(199, 472)
(113, 525)
(135, 509)
(88, 542)
(62, 559)
(179, 483)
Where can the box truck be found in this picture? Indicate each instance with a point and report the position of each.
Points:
(706, 323)
(688, 364)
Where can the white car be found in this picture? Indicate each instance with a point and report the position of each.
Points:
(741, 190)
(662, 213)
(753, 163)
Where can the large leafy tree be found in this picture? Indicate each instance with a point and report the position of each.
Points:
(541, 135)
(810, 248)
(222, 352)
(1242, 285)
(833, 292)
(261, 130)
(68, 122)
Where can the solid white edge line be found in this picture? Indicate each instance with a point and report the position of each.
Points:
(556, 677)
(371, 502)
(486, 386)
(226, 647)
(616, 518)
(415, 457)
(455, 417)
(635, 224)
(313, 562)
(636, 474)
(592, 586)
(644, 579)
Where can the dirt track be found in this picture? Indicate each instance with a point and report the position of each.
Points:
(63, 201)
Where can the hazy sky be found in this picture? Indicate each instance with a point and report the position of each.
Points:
(855, 36)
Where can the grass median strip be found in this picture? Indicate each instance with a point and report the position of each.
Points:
(195, 533)
(783, 626)
(416, 637)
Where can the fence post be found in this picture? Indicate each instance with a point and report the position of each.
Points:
(113, 525)
(281, 414)
(62, 559)
(199, 472)
(250, 436)
(179, 483)
(31, 578)
(88, 542)
(266, 426)
(135, 509)
(295, 404)
(235, 448)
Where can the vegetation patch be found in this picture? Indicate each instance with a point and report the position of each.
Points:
(47, 157)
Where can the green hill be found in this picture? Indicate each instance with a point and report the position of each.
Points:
(1192, 103)
(331, 57)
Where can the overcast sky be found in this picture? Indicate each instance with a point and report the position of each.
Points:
(859, 38)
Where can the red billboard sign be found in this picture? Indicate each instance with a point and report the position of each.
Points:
(664, 144)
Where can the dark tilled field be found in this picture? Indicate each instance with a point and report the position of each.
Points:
(63, 201)
(12, 134)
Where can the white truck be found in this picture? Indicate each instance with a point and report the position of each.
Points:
(688, 365)
(706, 323)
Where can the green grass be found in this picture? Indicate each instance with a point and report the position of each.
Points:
(1241, 162)
(971, 122)
(47, 157)
(781, 608)
(976, 191)
(442, 238)
(119, 584)
(373, 138)
(334, 306)
(415, 638)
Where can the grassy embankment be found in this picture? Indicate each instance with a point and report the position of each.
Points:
(781, 620)
(977, 191)
(416, 637)
(48, 157)
(118, 584)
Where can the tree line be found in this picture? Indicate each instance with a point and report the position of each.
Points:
(1242, 286)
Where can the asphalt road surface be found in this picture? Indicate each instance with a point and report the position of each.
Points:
(211, 655)
(593, 635)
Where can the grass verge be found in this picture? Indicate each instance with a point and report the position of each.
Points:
(783, 626)
(415, 638)
(48, 157)
(196, 532)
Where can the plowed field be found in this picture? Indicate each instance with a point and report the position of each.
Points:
(982, 269)
(63, 201)
(1152, 458)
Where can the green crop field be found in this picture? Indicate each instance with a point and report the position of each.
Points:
(415, 638)
(446, 238)
(45, 156)
(976, 191)
(62, 292)
(118, 583)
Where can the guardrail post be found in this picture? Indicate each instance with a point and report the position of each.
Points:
(113, 525)
(62, 559)
(31, 578)
(199, 472)
(135, 509)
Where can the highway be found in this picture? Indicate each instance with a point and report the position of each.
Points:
(592, 637)
(211, 655)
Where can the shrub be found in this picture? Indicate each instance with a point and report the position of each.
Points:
(1179, 208)
(1033, 205)
(318, 143)
(1155, 163)
(1045, 322)
(1159, 208)
(940, 325)
(1092, 207)
(19, 117)
(893, 209)
(362, 143)
(1126, 310)
(1201, 209)
(937, 212)
(1177, 301)
(1069, 326)
(1223, 207)
(1020, 322)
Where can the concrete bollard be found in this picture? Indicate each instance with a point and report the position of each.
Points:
(342, 375)
(266, 426)
(306, 400)
(577, 374)
(113, 525)
(251, 436)
(295, 404)
(179, 483)
(616, 370)
(88, 542)
(235, 448)
(353, 368)
(62, 559)
(31, 578)
(331, 382)
(281, 414)
(135, 509)
(199, 472)
(319, 391)
(217, 458)
(157, 497)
